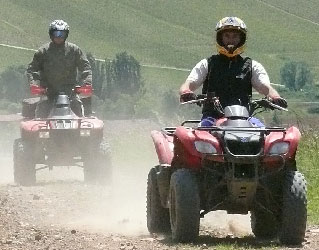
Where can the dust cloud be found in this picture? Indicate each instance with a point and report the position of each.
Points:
(223, 224)
(8, 132)
(118, 209)
(124, 213)
(6, 170)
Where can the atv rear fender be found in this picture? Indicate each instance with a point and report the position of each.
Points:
(164, 146)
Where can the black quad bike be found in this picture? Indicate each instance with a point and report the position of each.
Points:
(61, 139)
(234, 166)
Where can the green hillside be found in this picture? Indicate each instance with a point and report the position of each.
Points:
(171, 33)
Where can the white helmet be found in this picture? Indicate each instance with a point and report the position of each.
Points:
(59, 25)
(230, 23)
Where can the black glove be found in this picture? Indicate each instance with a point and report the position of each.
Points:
(187, 97)
(280, 102)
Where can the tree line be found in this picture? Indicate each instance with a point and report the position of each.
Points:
(120, 91)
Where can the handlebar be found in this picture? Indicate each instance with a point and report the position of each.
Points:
(265, 103)
(200, 99)
(254, 105)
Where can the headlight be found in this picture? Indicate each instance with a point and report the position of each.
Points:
(279, 148)
(205, 147)
(85, 132)
(44, 134)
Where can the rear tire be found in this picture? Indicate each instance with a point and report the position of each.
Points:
(23, 163)
(98, 165)
(184, 206)
(294, 209)
(157, 215)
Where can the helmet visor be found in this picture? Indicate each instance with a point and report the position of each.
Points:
(59, 33)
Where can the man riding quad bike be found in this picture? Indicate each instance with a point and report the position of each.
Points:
(234, 166)
(62, 139)
(59, 129)
(59, 66)
(231, 161)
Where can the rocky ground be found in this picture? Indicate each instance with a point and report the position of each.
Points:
(62, 212)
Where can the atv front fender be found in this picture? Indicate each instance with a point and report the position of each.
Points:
(291, 135)
(164, 147)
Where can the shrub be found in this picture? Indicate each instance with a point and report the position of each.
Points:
(13, 84)
(296, 75)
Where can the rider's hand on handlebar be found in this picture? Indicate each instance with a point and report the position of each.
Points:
(186, 97)
(280, 102)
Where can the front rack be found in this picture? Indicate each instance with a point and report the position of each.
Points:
(169, 130)
(190, 121)
(243, 129)
(266, 130)
(81, 123)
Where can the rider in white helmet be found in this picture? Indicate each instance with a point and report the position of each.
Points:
(229, 75)
(59, 66)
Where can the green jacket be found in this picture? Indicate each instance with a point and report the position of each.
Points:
(56, 66)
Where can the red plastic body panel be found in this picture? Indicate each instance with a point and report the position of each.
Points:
(187, 138)
(84, 91)
(92, 123)
(292, 136)
(164, 147)
(32, 126)
(184, 139)
(37, 90)
(205, 136)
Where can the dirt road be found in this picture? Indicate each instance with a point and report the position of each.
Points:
(61, 212)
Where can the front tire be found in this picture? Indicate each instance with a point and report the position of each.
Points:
(184, 206)
(294, 209)
(263, 224)
(157, 215)
(24, 171)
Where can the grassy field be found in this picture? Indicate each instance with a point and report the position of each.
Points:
(307, 160)
(165, 32)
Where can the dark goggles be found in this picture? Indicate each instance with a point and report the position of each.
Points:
(59, 33)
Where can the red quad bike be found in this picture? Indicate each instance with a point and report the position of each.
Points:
(233, 166)
(62, 139)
